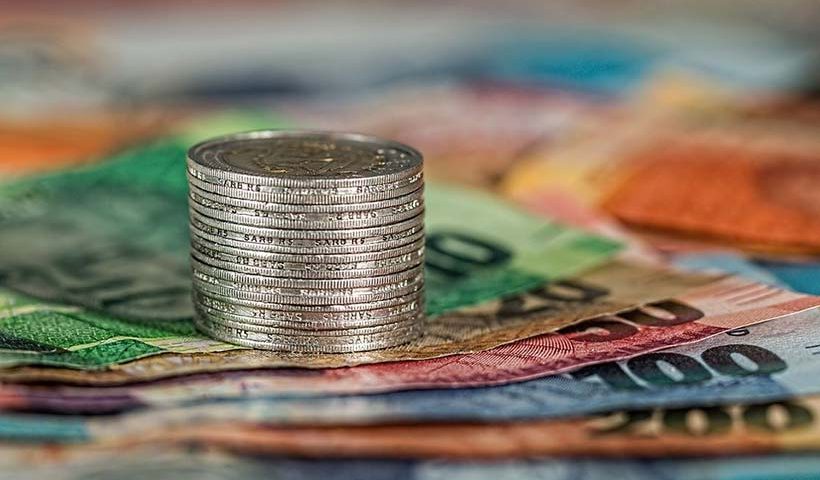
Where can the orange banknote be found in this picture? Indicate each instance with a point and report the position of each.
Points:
(739, 193)
(752, 182)
(758, 428)
(48, 144)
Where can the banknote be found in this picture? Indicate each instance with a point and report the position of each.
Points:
(767, 202)
(771, 361)
(799, 274)
(747, 183)
(570, 210)
(784, 426)
(28, 147)
(802, 275)
(105, 250)
(96, 340)
(770, 467)
(745, 428)
(729, 262)
(469, 134)
(608, 289)
(71, 463)
(696, 314)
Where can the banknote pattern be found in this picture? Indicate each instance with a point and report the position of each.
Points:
(536, 343)
(674, 180)
(731, 429)
(687, 318)
(110, 293)
(607, 289)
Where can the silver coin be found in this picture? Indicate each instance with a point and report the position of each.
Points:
(295, 339)
(316, 196)
(303, 292)
(250, 257)
(302, 296)
(341, 308)
(298, 247)
(312, 158)
(304, 329)
(305, 344)
(306, 348)
(266, 206)
(314, 319)
(385, 230)
(325, 271)
(307, 288)
(249, 237)
(297, 336)
(307, 241)
(222, 179)
(316, 263)
(227, 278)
(309, 220)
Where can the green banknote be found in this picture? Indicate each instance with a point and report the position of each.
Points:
(94, 266)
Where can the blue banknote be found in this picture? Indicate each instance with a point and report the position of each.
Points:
(766, 362)
(798, 275)
(194, 466)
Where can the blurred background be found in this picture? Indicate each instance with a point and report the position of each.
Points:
(533, 100)
(689, 131)
(78, 78)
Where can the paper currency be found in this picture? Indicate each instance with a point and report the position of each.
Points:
(542, 352)
(767, 362)
(71, 463)
(689, 317)
(608, 289)
(687, 378)
(746, 428)
(765, 205)
(675, 179)
(738, 428)
(799, 274)
(109, 292)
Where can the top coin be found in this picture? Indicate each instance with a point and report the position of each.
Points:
(304, 158)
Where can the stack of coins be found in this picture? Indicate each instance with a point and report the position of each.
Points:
(307, 241)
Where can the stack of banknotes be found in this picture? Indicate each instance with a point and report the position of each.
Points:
(307, 241)
(549, 335)
(621, 222)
